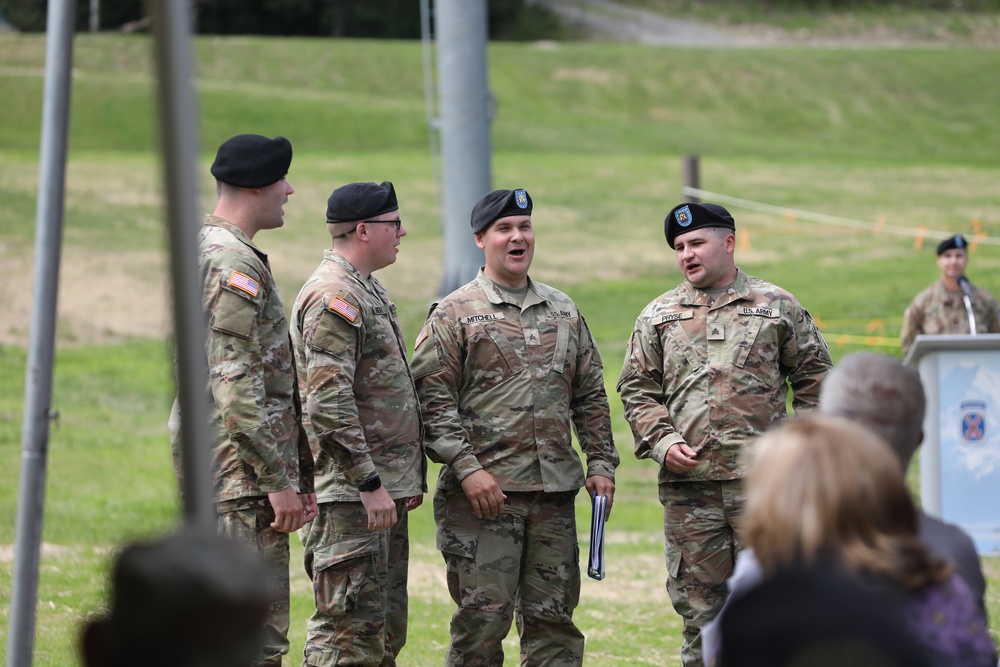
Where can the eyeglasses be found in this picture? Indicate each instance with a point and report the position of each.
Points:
(398, 222)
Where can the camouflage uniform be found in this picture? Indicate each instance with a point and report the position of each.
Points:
(362, 419)
(260, 446)
(938, 311)
(499, 386)
(713, 375)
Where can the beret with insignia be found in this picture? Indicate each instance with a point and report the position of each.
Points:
(686, 217)
(252, 160)
(360, 201)
(499, 204)
(956, 242)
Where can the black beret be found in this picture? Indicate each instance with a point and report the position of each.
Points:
(956, 242)
(685, 217)
(499, 204)
(360, 201)
(252, 161)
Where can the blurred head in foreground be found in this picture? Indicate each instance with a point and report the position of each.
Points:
(823, 488)
(187, 600)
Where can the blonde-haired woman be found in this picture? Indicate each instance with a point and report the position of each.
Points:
(823, 490)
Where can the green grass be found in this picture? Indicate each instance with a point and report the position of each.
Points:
(596, 134)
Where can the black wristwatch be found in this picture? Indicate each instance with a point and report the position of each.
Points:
(370, 484)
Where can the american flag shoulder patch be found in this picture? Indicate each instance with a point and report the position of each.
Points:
(344, 309)
(421, 337)
(244, 282)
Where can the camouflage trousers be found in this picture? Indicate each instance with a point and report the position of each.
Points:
(523, 564)
(253, 527)
(359, 587)
(699, 525)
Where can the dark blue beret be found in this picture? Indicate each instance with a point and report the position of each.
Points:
(360, 201)
(956, 242)
(686, 217)
(499, 204)
(252, 161)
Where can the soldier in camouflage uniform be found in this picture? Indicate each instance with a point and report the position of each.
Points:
(504, 366)
(705, 371)
(365, 431)
(261, 458)
(940, 309)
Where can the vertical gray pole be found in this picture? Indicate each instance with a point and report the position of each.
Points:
(38, 380)
(178, 132)
(465, 130)
(691, 178)
(95, 15)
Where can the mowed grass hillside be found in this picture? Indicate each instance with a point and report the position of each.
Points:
(904, 138)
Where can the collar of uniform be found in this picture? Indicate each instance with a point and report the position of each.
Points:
(494, 293)
(216, 221)
(370, 285)
(696, 297)
(945, 292)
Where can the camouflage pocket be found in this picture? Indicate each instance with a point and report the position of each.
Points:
(333, 333)
(673, 556)
(234, 314)
(345, 577)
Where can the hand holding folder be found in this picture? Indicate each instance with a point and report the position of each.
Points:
(595, 564)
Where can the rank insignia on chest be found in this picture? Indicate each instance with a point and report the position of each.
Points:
(242, 281)
(531, 337)
(344, 309)
(716, 332)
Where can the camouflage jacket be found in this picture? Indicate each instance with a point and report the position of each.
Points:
(500, 384)
(362, 415)
(260, 446)
(938, 311)
(713, 375)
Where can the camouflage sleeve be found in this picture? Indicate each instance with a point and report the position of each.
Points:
(307, 465)
(236, 376)
(994, 315)
(641, 388)
(332, 345)
(912, 326)
(589, 406)
(806, 359)
(437, 371)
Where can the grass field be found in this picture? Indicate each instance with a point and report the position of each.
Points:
(595, 132)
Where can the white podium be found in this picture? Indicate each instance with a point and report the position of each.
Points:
(960, 457)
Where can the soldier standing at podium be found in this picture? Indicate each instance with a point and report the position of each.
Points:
(940, 309)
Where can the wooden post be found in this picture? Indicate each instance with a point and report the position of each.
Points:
(690, 175)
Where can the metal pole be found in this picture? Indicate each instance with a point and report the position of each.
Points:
(38, 380)
(465, 106)
(691, 178)
(178, 132)
(95, 15)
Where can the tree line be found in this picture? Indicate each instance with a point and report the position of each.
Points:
(386, 19)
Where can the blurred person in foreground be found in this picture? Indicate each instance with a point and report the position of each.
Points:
(823, 491)
(187, 600)
(940, 309)
(364, 428)
(708, 367)
(506, 368)
(261, 460)
(885, 396)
